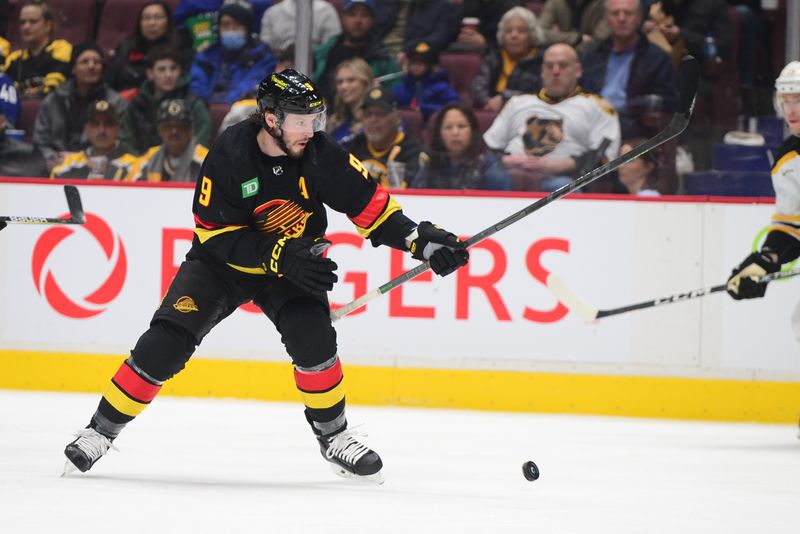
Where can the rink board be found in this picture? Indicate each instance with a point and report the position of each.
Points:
(489, 337)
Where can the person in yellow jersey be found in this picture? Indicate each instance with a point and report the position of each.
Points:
(104, 158)
(180, 156)
(44, 63)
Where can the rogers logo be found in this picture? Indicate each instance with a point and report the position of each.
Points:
(46, 284)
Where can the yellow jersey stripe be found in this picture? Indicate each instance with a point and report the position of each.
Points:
(785, 159)
(204, 235)
(391, 207)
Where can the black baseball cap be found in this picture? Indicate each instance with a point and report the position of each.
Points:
(380, 97)
(174, 109)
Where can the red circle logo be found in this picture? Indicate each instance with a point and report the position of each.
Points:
(96, 302)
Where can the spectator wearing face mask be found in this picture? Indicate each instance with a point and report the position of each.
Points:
(233, 67)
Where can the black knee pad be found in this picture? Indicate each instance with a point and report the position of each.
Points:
(163, 350)
(307, 332)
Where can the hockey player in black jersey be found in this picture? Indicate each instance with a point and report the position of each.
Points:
(259, 211)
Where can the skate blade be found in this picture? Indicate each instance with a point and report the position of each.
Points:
(69, 468)
(376, 478)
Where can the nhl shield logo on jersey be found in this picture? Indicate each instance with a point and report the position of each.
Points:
(283, 217)
(277, 170)
(185, 305)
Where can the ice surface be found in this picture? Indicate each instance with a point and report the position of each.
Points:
(224, 466)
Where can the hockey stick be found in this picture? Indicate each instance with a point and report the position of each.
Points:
(589, 313)
(688, 75)
(76, 215)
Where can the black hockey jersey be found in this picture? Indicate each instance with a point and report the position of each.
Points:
(245, 200)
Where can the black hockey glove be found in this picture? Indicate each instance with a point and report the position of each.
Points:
(443, 250)
(744, 281)
(301, 261)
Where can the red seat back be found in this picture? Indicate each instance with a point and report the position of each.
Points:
(461, 68)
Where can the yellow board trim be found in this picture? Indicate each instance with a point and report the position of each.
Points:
(122, 402)
(320, 401)
(635, 396)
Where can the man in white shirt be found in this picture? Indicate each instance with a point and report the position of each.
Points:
(551, 137)
(278, 24)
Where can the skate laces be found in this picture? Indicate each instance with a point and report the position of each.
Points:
(93, 443)
(346, 447)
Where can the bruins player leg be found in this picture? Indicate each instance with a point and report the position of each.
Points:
(306, 331)
(196, 301)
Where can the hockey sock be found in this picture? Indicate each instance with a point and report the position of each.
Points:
(322, 389)
(129, 392)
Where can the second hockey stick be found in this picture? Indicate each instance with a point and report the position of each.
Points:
(688, 76)
(589, 313)
(76, 215)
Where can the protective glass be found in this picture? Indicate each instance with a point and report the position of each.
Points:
(308, 123)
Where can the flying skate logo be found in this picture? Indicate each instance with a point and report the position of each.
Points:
(53, 242)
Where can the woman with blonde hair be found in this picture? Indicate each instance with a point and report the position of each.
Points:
(513, 68)
(353, 78)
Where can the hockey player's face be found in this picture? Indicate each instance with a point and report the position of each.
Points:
(299, 129)
(790, 107)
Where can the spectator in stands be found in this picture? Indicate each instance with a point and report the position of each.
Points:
(278, 23)
(458, 157)
(165, 81)
(232, 68)
(687, 24)
(353, 79)
(514, 67)
(629, 71)
(239, 111)
(579, 23)
(9, 101)
(5, 50)
(551, 137)
(126, 71)
(104, 158)
(180, 157)
(488, 13)
(684, 29)
(356, 40)
(425, 86)
(197, 19)
(640, 175)
(402, 24)
(44, 63)
(383, 145)
(3, 17)
(60, 122)
(18, 158)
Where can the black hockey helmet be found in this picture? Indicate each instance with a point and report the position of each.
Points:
(289, 91)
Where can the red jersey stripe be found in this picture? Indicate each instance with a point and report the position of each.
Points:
(373, 210)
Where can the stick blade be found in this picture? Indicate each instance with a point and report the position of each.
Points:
(569, 299)
(75, 204)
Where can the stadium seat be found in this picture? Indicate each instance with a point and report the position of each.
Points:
(485, 118)
(27, 115)
(75, 20)
(461, 68)
(413, 124)
(218, 111)
(741, 158)
(117, 22)
(729, 183)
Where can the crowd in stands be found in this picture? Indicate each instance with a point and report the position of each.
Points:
(450, 94)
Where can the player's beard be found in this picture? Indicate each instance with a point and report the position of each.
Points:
(278, 134)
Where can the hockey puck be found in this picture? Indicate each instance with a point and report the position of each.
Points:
(530, 470)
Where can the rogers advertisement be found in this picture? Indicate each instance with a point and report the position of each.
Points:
(93, 288)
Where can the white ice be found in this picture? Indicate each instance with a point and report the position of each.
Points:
(225, 466)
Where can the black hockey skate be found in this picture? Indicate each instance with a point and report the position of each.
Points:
(84, 452)
(350, 458)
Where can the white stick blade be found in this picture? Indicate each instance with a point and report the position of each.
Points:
(569, 299)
